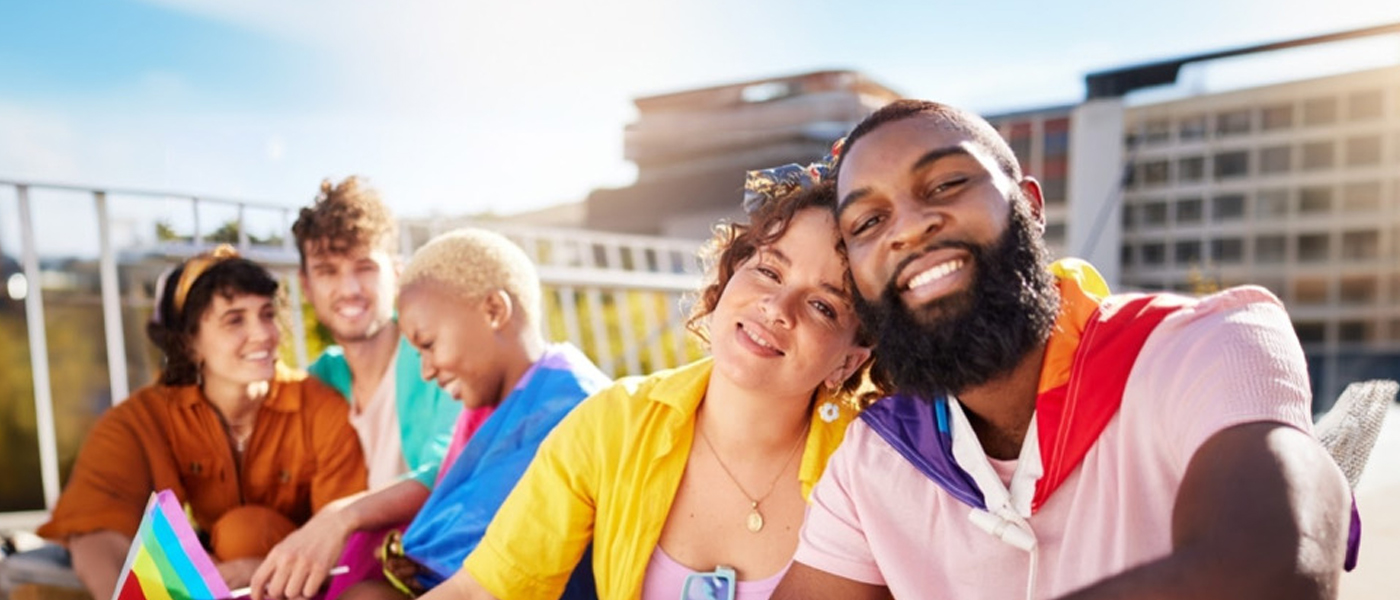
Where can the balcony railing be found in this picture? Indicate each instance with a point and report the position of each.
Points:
(87, 263)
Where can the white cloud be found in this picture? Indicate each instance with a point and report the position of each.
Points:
(36, 144)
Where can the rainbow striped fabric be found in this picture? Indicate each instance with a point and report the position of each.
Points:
(166, 561)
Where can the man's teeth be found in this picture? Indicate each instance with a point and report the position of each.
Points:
(262, 355)
(352, 311)
(758, 340)
(937, 272)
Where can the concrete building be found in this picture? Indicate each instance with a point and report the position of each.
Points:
(1040, 137)
(1295, 187)
(693, 147)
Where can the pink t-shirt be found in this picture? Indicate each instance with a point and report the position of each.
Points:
(468, 422)
(376, 422)
(665, 578)
(1231, 359)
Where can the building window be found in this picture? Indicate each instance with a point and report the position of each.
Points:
(1231, 164)
(1020, 142)
(1227, 250)
(1353, 331)
(1270, 249)
(1130, 212)
(1362, 197)
(1362, 106)
(1235, 122)
(1314, 201)
(1311, 332)
(1154, 254)
(1155, 172)
(1358, 290)
(1320, 111)
(1053, 171)
(1157, 132)
(1276, 159)
(1053, 188)
(1189, 210)
(1310, 290)
(1228, 207)
(1271, 204)
(1187, 253)
(1056, 137)
(1276, 117)
(1055, 233)
(1126, 256)
(1318, 155)
(1192, 128)
(1154, 214)
(1191, 169)
(1364, 151)
(1361, 245)
(1314, 247)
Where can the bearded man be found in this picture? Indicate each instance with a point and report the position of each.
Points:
(1049, 440)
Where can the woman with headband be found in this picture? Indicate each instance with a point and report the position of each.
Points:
(250, 448)
(691, 483)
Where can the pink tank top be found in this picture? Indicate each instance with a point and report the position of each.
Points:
(665, 577)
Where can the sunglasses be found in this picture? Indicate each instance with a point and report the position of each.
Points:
(711, 585)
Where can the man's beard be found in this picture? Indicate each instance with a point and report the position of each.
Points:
(965, 339)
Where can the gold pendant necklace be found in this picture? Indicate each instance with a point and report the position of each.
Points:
(754, 521)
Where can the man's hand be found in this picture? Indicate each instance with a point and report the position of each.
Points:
(297, 566)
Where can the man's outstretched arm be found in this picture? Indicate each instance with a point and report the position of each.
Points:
(802, 582)
(1263, 512)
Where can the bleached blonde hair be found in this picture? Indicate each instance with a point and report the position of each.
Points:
(475, 262)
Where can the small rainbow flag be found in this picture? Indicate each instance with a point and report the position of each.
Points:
(166, 561)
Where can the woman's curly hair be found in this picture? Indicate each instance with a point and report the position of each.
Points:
(734, 243)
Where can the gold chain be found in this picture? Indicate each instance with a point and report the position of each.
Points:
(755, 519)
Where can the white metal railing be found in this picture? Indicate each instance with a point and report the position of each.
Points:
(620, 298)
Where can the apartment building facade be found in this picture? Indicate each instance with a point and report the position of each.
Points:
(1294, 187)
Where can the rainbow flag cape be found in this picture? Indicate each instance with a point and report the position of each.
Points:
(166, 561)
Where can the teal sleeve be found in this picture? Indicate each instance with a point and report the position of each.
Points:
(330, 367)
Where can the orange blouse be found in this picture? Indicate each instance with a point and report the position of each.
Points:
(302, 455)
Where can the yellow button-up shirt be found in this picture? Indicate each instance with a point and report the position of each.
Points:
(607, 475)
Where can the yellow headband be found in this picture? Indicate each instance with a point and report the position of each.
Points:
(197, 266)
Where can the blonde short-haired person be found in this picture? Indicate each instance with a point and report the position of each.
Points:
(469, 301)
(696, 477)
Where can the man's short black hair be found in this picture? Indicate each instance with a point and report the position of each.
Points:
(956, 119)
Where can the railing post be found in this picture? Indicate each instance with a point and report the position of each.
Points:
(38, 352)
(197, 237)
(111, 303)
(623, 303)
(298, 323)
(242, 230)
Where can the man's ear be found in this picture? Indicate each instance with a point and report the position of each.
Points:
(499, 308)
(301, 278)
(852, 361)
(1030, 188)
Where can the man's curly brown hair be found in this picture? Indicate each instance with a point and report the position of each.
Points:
(345, 216)
(734, 243)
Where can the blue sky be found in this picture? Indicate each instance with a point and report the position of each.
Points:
(462, 107)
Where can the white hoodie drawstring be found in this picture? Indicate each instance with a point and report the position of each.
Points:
(1009, 527)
